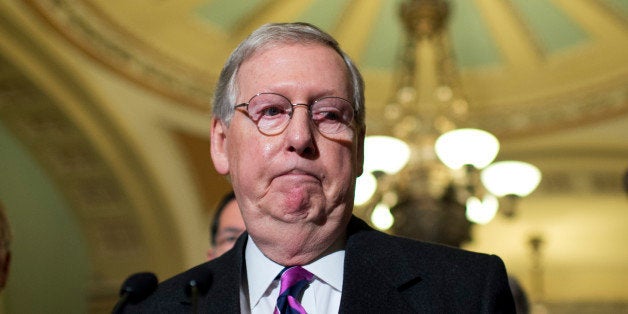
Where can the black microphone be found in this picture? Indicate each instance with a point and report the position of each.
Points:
(135, 289)
(199, 284)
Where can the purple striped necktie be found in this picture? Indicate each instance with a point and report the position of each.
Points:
(293, 281)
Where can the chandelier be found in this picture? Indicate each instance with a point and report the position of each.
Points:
(433, 177)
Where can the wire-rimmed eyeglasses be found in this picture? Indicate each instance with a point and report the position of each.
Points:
(272, 112)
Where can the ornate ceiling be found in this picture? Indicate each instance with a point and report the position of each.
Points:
(527, 66)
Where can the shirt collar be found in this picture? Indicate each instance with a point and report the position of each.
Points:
(329, 269)
(261, 271)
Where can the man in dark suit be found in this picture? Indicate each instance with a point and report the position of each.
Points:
(288, 129)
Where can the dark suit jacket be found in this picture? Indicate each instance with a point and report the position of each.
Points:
(382, 274)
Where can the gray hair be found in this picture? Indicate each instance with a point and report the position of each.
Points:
(269, 35)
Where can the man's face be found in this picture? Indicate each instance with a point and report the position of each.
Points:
(296, 187)
(230, 227)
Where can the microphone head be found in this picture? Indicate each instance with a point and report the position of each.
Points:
(201, 281)
(139, 286)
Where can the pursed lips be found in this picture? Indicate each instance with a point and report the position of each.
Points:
(300, 174)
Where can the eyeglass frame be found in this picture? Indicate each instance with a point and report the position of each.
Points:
(308, 106)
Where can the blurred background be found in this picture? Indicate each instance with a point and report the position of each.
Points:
(104, 120)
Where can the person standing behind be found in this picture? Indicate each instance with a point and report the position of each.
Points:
(288, 130)
(226, 226)
(5, 248)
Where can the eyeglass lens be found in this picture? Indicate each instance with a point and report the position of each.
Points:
(272, 112)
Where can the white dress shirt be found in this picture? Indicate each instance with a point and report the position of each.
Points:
(259, 289)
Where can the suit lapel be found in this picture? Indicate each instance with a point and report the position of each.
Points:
(376, 278)
(223, 295)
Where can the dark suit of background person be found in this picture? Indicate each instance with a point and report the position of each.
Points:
(293, 170)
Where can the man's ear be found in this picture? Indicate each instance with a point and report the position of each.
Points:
(360, 152)
(218, 139)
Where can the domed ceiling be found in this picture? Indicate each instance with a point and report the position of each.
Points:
(526, 66)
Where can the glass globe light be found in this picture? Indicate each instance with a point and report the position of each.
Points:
(461, 147)
(381, 217)
(365, 187)
(385, 153)
(481, 212)
(511, 178)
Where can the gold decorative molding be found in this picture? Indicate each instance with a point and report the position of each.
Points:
(93, 32)
(119, 51)
(593, 104)
(89, 161)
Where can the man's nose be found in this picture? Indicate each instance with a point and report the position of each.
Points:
(300, 131)
(300, 117)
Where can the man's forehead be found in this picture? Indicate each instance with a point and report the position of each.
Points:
(284, 47)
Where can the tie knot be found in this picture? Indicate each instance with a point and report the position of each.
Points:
(291, 276)
(294, 280)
